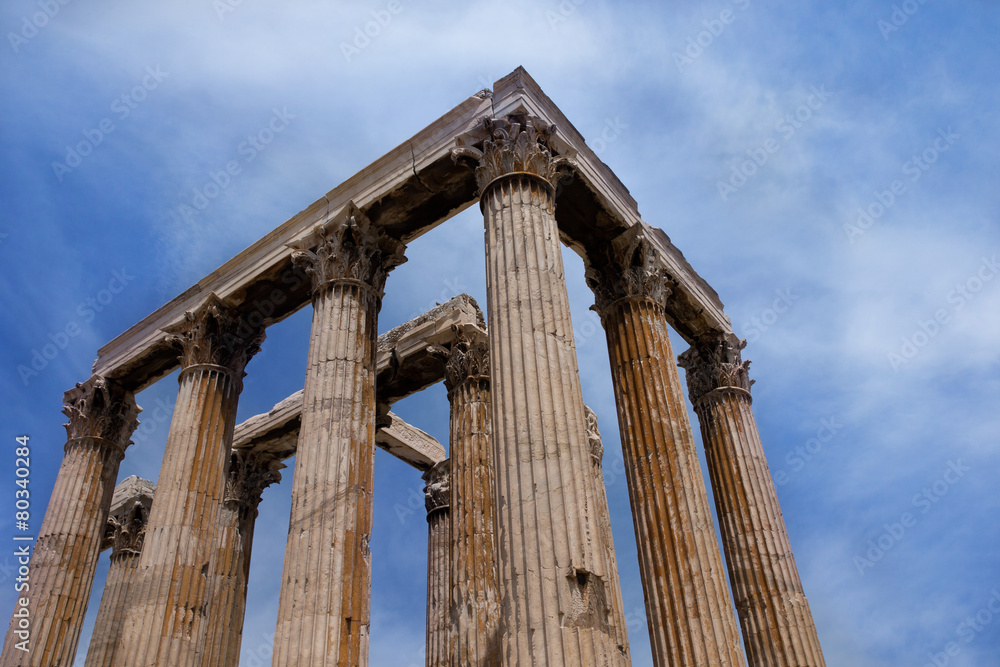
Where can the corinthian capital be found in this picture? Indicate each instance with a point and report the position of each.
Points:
(216, 335)
(469, 359)
(100, 409)
(515, 144)
(437, 492)
(127, 517)
(250, 472)
(126, 529)
(716, 363)
(630, 270)
(349, 247)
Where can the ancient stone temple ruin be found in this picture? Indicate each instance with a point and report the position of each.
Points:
(521, 566)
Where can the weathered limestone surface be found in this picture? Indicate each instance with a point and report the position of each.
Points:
(249, 474)
(623, 656)
(778, 627)
(323, 612)
(124, 535)
(687, 601)
(102, 417)
(440, 630)
(554, 586)
(474, 594)
(165, 623)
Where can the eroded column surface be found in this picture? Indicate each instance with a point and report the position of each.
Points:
(778, 628)
(475, 599)
(604, 519)
(102, 417)
(323, 613)
(249, 474)
(165, 624)
(440, 631)
(688, 607)
(126, 531)
(554, 587)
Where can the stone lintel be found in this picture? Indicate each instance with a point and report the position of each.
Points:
(409, 191)
(410, 444)
(409, 358)
(131, 489)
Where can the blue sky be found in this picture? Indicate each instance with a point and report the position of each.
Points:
(827, 169)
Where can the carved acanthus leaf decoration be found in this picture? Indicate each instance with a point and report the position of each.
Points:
(518, 143)
(437, 492)
(349, 248)
(249, 474)
(715, 363)
(127, 529)
(217, 335)
(631, 271)
(100, 408)
(469, 359)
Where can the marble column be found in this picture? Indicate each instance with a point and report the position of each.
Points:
(165, 624)
(778, 628)
(475, 599)
(440, 631)
(554, 586)
(688, 606)
(102, 417)
(125, 534)
(324, 607)
(604, 519)
(250, 472)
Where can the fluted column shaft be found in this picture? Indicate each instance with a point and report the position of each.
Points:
(64, 559)
(440, 629)
(688, 606)
(553, 577)
(111, 614)
(475, 599)
(165, 624)
(127, 534)
(778, 627)
(623, 655)
(324, 607)
(249, 474)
